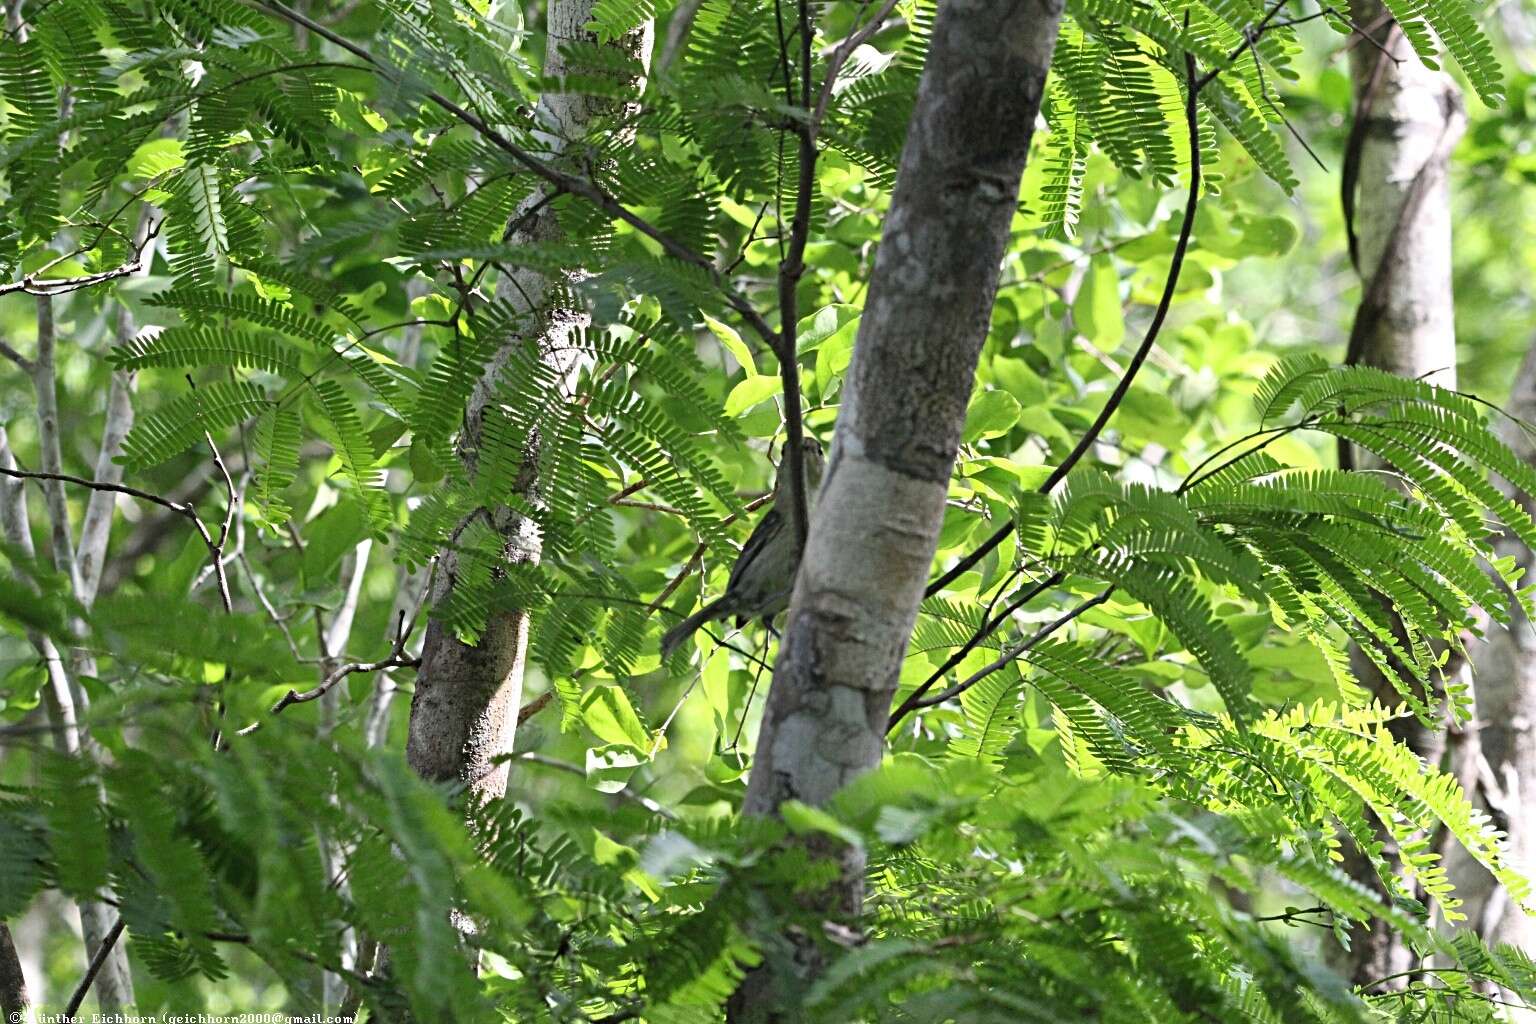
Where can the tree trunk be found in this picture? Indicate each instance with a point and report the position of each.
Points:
(1408, 118)
(1503, 768)
(464, 711)
(13, 983)
(877, 520)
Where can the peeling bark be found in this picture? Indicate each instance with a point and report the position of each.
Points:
(877, 520)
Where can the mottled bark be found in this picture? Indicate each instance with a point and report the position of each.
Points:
(877, 520)
(1408, 119)
(464, 711)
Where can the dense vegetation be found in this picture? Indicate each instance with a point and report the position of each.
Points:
(302, 304)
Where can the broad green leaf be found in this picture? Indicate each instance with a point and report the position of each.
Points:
(750, 392)
(991, 413)
(1096, 310)
(733, 344)
(607, 712)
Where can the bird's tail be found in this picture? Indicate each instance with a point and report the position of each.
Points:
(678, 634)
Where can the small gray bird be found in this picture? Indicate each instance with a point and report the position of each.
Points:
(764, 573)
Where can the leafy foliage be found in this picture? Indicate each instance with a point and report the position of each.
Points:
(438, 379)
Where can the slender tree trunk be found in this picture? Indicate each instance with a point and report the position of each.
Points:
(1503, 758)
(1408, 119)
(464, 711)
(13, 983)
(877, 520)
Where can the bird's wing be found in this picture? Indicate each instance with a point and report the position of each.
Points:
(763, 534)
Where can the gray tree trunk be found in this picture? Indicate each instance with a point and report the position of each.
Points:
(877, 520)
(464, 711)
(1409, 118)
(1502, 759)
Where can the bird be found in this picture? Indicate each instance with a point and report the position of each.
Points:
(764, 573)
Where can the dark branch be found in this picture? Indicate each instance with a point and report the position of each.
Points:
(94, 968)
(34, 284)
(1008, 655)
(791, 269)
(1193, 84)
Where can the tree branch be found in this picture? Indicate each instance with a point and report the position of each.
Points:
(397, 658)
(571, 183)
(1193, 85)
(44, 287)
(791, 269)
(93, 969)
(1008, 655)
(13, 981)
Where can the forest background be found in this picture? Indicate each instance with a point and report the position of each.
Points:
(382, 379)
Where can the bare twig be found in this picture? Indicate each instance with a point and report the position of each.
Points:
(989, 626)
(534, 706)
(397, 658)
(266, 604)
(94, 968)
(14, 356)
(216, 547)
(697, 557)
(43, 287)
(175, 506)
(1008, 655)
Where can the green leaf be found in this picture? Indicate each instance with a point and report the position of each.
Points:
(991, 413)
(1096, 310)
(733, 344)
(607, 712)
(750, 392)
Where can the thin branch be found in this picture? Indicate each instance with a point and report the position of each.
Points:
(534, 706)
(840, 56)
(16, 357)
(261, 598)
(696, 559)
(43, 287)
(989, 626)
(175, 506)
(216, 547)
(132, 492)
(1007, 656)
(397, 658)
(570, 183)
(1170, 285)
(791, 270)
(97, 960)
